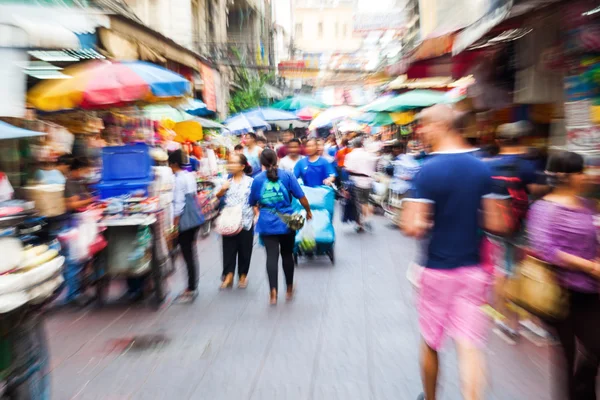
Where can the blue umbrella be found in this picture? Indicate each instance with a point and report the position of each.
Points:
(8, 131)
(197, 108)
(270, 114)
(240, 124)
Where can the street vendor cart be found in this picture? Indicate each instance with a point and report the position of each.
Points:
(136, 223)
(137, 250)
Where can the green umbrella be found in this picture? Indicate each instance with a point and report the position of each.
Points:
(160, 112)
(296, 103)
(376, 119)
(382, 119)
(407, 101)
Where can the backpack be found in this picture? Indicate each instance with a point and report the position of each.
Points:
(508, 182)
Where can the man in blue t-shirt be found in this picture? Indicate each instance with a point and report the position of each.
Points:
(449, 193)
(313, 169)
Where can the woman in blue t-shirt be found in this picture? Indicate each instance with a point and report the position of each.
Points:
(272, 192)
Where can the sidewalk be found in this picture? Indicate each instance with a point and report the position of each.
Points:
(351, 334)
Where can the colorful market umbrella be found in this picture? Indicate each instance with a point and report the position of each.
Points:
(100, 84)
(240, 124)
(308, 113)
(8, 131)
(162, 112)
(198, 108)
(296, 103)
(333, 115)
(408, 100)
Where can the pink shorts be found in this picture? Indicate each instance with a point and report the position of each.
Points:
(449, 304)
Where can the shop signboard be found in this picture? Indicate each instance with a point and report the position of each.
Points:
(296, 69)
(585, 138)
(209, 94)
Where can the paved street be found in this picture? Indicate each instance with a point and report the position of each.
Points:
(351, 334)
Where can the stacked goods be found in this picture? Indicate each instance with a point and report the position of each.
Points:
(49, 199)
(27, 275)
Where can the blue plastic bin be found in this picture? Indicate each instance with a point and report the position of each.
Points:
(119, 188)
(126, 163)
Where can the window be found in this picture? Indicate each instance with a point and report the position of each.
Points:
(299, 29)
(337, 30)
(320, 30)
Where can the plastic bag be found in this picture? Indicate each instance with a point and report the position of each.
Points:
(143, 241)
(308, 243)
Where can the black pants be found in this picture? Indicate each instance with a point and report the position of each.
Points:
(274, 245)
(238, 248)
(187, 241)
(579, 336)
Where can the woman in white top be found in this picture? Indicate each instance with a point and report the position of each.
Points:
(185, 183)
(238, 248)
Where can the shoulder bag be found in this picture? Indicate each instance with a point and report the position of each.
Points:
(192, 216)
(229, 222)
(535, 288)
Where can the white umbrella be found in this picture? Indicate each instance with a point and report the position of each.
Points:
(333, 115)
(349, 126)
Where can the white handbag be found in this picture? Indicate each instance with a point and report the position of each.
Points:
(229, 222)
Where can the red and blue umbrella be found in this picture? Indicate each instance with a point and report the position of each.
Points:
(100, 84)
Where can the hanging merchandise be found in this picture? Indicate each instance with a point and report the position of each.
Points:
(582, 78)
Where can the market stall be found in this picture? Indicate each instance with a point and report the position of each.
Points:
(30, 277)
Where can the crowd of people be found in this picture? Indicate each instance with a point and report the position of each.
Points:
(464, 204)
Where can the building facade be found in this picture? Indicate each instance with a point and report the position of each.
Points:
(224, 32)
(325, 27)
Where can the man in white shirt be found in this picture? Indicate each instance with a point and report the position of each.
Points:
(288, 162)
(361, 166)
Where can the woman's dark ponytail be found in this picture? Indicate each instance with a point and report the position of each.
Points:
(268, 159)
(245, 163)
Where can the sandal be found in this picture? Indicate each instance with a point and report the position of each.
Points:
(289, 295)
(187, 297)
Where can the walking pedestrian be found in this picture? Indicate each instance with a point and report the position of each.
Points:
(283, 150)
(449, 193)
(313, 169)
(252, 152)
(288, 163)
(238, 248)
(515, 177)
(361, 166)
(562, 233)
(272, 192)
(185, 184)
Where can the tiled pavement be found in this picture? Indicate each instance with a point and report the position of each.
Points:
(350, 334)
